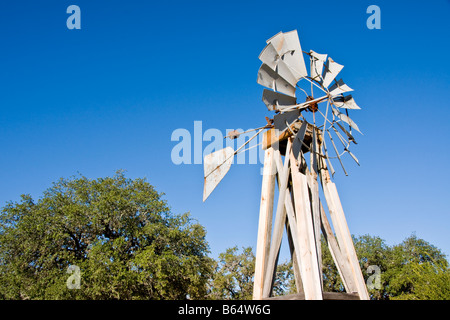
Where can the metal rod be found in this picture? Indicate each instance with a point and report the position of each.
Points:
(326, 115)
(335, 149)
(341, 138)
(246, 142)
(264, 127)
(313, 82)
(234, 153)
(305, 104)
(350, 137)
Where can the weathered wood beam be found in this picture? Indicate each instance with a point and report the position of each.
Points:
(265, 222)
(342, 262)
(309, 264)
(341, 229)
(280, 218)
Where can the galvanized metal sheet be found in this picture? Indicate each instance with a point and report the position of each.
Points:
(339, 87)
(280, 120)
(287, 64)
(287, 45)
(270, 79)
(317, 61)
(270, 56)
(294, 57)
(346, 102)
(277, 101)
(283, 86)
(278, 41)
(266, 76)
(216, 166)
(285, 72)
(331, 71)
(346, 119)
(298, 141)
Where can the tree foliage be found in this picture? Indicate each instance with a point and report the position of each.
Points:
(417, 270)
(119, 232)
(413, 269)
(233, 276)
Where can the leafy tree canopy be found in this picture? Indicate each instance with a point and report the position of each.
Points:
(233, 276)
(119, 232)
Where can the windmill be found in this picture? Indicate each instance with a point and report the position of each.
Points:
(311, 116)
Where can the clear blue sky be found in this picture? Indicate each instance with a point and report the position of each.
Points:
(109, 96)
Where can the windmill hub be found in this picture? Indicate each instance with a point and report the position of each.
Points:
(314, 106)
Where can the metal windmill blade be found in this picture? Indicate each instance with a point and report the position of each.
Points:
(271, 79)
(338, 88)
(288, 48)
(346, 102)
(287, 68)
(283, 68)
(276, 101)
(283, 56)
(294, 57)
(317, 61)
(331, 71)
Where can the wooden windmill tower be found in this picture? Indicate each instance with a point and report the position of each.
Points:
(299, 133)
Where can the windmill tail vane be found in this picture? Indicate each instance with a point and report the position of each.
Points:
(311, 115)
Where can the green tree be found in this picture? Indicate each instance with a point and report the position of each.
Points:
(118, 231)
(407, 271)
(233, 276)
(373, 251)
(417, 268)
(430, 281)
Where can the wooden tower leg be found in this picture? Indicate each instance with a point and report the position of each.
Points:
(309, 264)
(341, 229)
(280, 218)
(265, 223)
(314, 197)
(291, 226)
(342, 262)
(295, 263)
